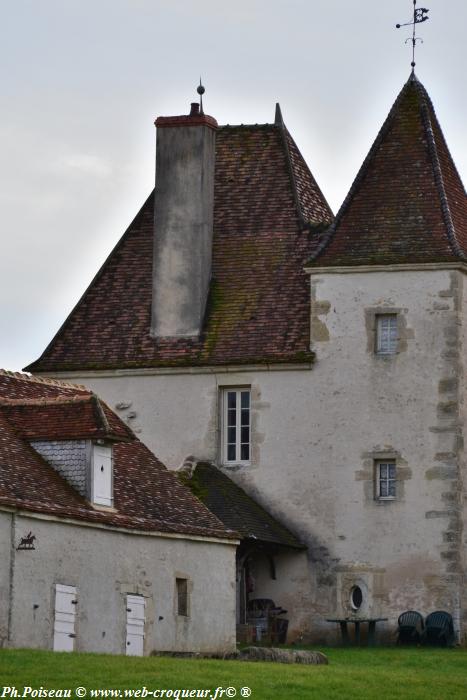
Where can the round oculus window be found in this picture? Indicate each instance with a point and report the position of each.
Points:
(356, 597)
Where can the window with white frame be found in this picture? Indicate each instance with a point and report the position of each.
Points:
(385, 480)
(386, 334)
(236, 426)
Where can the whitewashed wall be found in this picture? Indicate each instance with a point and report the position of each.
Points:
(316, 434)
(105, 566)
(5, 569)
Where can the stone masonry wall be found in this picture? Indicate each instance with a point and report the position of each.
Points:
(68, 458)
(317, 437)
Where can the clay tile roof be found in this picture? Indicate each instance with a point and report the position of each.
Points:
(64, 418)
(146, 495)
(407, 203)
(236, 509)
(258, 307)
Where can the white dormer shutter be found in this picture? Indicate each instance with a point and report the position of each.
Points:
(102, 475)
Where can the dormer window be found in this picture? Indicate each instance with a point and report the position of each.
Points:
(101, 475)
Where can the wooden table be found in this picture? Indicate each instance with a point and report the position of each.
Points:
(357, 621)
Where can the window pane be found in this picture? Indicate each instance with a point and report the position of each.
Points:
(236, 430)
(392, 489)
(392, 471)
(383, 488)
(383, 470)
(386, 333)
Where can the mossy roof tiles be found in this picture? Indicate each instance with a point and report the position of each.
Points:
(147, 496)
(407, 203)
(258, 307)
(64, 418)
(236, 509)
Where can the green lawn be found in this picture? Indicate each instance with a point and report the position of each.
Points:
(352, 673)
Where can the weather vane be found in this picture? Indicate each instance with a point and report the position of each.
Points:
(200, 90)
(420, 14)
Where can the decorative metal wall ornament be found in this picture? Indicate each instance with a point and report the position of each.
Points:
(420, 14)
(27, 542)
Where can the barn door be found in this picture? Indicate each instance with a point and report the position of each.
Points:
(65, 618)
(135, 615)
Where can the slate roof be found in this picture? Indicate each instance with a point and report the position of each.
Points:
(146, 495)
(407, 203)
(64, 418)
(266, 204)
(236, 509)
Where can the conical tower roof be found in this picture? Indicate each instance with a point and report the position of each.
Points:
(407, 204)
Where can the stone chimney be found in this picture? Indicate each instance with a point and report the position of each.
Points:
(183, 223)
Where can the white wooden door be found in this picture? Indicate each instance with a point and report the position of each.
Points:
(65, 617)
(135, 616)
(102, 475)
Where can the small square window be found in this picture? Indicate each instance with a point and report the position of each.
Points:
(181, 585)
(236, 426)
(386, 334)
(385, 480)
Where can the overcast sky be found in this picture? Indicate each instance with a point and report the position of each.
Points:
(83, 80)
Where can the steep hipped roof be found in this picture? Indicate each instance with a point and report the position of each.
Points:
(238, 511)
(64, 418)
(407, 203)
(146, 495)
(258, 308)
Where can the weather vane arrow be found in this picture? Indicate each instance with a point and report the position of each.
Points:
(420, 14)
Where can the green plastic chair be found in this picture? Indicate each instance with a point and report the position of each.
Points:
(410, 627)
(439, 629)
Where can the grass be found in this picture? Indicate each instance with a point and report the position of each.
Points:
(382, 673)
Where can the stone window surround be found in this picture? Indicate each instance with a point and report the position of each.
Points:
(392, 457)
(403, 333)
(368, 476)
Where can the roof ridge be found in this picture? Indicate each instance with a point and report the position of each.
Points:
(248, 126)
(279, 123)
(101, 413)
(286, 138)
(47, 401)
(437, 170)
(308, 223)
(41, 379)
